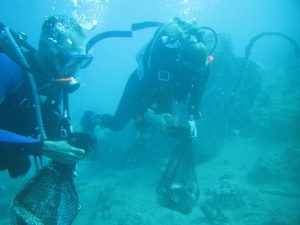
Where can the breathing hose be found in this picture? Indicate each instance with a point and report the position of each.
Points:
(215, 37)
(32, 83)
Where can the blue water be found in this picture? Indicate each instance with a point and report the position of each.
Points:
(250, 172)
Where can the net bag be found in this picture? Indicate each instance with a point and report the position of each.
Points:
(48, 198)
(178, 187)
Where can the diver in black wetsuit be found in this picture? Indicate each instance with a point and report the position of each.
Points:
(24, 129)
(173, 67)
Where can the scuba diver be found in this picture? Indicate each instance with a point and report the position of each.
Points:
(34, 89)
(172, 68)
(60, 54)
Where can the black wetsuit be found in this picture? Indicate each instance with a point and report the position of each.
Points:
(163, 82)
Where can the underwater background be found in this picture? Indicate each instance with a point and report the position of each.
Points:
(248, 151)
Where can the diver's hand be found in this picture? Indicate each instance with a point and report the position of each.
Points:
(89, 121)
(193, 128)
(62, 152)
(161, 121)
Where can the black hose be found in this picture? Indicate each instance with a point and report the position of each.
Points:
(143, 25)
(107, 34)
(215, 37)
(250, 45)
(257, 37)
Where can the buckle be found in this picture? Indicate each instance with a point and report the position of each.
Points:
(164, 75)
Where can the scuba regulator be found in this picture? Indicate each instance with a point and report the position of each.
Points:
(69, 84)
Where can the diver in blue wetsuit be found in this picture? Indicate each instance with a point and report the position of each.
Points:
(34, 88)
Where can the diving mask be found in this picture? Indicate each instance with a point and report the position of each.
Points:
(69, 64)
(72, 60)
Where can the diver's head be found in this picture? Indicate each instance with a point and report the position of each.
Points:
(173, 31)
(62, 47)
(191, 29)
(194, 57)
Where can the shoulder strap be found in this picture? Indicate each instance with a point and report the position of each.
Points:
(154, 41)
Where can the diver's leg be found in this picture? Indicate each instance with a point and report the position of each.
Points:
(127, 107)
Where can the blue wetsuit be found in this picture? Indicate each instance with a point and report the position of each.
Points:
(18, 126)
(11, 77)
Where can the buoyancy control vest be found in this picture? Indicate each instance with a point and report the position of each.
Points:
(20, 105)
(160, 67)
(18, 108)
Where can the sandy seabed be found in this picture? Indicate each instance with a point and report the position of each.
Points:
(248, 183)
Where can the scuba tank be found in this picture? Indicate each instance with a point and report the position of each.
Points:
(191, 32)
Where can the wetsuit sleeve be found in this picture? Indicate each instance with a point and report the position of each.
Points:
(128, 108)
(14, 144)
(196, 94)
(11, 76)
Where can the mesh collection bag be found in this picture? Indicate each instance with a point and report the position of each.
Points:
(178, 188)
(48, 198)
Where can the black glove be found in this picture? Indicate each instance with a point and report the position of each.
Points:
(83, 141)
(89, 121)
